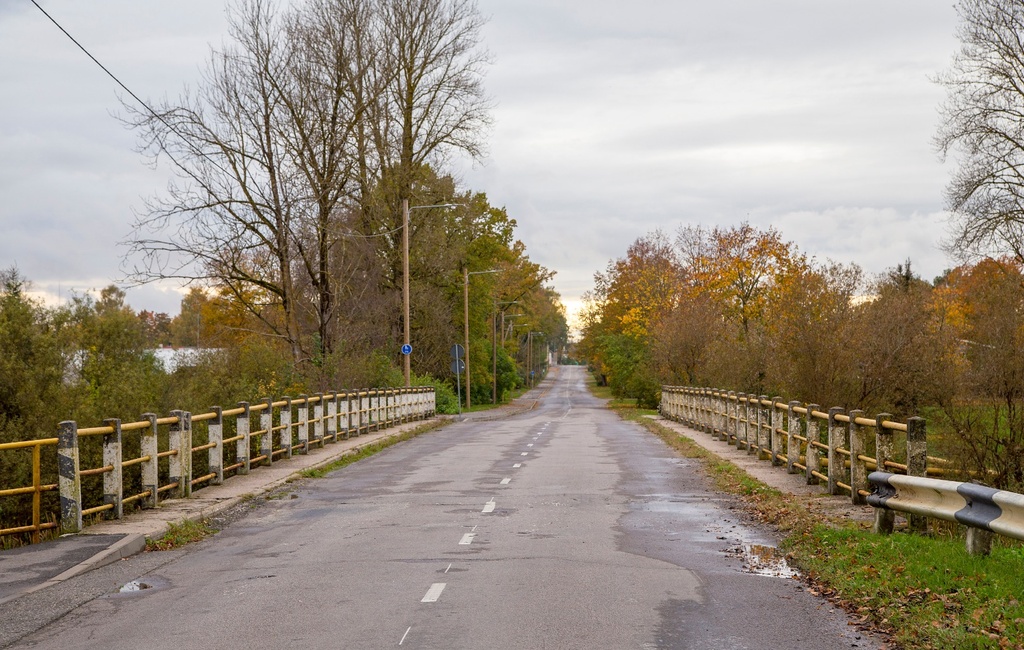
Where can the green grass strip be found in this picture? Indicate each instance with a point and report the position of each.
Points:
(359, 453)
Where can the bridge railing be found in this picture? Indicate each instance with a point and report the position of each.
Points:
(834, 447)
(156, 458)
(829, 446)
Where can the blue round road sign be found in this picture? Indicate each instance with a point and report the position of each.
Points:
(406, 349)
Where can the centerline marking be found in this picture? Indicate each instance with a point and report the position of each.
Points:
(506, 481)
(489, 506)
(405, 635)
(434, 592)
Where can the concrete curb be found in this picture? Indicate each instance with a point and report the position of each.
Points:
(125, 547)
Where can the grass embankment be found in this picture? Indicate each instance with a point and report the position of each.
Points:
(921, 591)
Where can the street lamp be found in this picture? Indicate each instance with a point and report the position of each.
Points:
(407, 347)
(465, 311)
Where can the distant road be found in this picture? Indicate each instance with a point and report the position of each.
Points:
(563, 527)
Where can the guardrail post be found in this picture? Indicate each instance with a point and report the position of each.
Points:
(776, 432)
(69, 480)
(858, 467)
(318, 421)
(332, 416)
(243, 446)
(303, 424)
(364, 412)
(714, 415)
(792, 441)
(181, 462)
(375, 410)
(113, 484)
(348, 414)
(979, 541)
(732, 435)
(836, 440)
(284, 418)
(917, 463)
(741, 421)
(813, 435)
(764, 423)
(150, 446)
(267, 437)
(215, 454)
(884, 518)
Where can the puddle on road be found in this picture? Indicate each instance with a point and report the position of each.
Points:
(138, 586)
(763, 560)
(133, 586)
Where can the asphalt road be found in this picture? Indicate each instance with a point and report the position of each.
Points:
(560, 528)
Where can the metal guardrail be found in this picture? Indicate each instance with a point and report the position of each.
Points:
(176, 454)
(982, 509)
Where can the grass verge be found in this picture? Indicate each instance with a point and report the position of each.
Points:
(180, 533)
(919, 591)
(358, 453)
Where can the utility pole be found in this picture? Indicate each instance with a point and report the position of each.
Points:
(465, 311)
(406, 367)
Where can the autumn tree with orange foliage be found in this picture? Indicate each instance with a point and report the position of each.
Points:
(628, 301)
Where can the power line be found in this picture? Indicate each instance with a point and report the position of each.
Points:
(103, 67)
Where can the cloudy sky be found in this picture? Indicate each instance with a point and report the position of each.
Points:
(611, 119)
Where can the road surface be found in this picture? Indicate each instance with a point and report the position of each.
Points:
(563, 527)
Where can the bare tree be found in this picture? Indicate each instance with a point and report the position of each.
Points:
(983, 122)
(282, 150)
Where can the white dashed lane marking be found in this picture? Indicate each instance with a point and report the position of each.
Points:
(489, 506)
(506, 481)
(524, 453)
(467, 539)
(434, 592)
(404, 635)
(517, 465)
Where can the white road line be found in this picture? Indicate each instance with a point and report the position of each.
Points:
(524, 453)
(473, 529)
(529, 444)
(517, 465)
(404, 635)
(467, 539)
(446, 571)
(434, 592)
(506, 481)
(489, 506)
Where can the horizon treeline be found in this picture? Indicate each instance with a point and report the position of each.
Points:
(739, 308)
